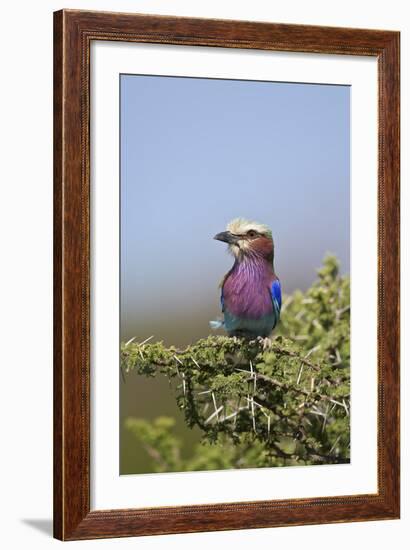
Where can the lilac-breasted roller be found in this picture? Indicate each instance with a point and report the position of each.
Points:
(251, 296)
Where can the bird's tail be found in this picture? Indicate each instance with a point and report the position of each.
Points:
(216, 324)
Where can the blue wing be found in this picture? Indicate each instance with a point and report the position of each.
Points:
(276, 293)
(222, 299)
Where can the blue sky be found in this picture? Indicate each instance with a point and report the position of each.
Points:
(196, 153)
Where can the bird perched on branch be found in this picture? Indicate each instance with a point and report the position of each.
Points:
(251, 296)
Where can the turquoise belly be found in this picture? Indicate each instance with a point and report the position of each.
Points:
(253, 327)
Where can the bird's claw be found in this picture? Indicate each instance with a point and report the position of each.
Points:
(265, 342)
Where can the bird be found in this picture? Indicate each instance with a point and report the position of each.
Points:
(251, 295)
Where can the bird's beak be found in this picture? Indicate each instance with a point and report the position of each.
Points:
(226, 237)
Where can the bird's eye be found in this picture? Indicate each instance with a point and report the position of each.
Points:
(251, 233)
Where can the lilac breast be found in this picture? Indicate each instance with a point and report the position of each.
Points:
(246, 289)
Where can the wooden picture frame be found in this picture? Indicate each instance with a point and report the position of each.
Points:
(74, 32)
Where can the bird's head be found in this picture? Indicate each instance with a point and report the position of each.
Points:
(247, 239)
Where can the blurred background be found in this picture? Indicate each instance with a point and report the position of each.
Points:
(196, 153)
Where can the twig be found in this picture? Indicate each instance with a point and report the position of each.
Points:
(282, 385)
(303, 360)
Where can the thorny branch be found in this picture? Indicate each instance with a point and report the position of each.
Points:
(286, 404)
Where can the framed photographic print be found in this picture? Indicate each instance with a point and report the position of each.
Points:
(197, 390)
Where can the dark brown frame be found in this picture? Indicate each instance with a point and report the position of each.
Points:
(73, 33)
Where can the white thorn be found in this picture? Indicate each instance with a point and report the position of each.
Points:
(215, 407)
(336, 402)
(147, 340)
(176, 366)
(214, 414)
(235, 413)
(299, 374)
(346, 408)
(253, 416)
(312, 350)
(335, 443)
